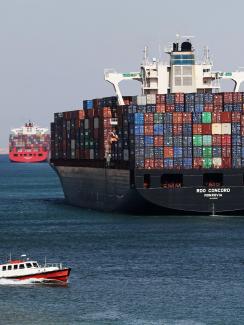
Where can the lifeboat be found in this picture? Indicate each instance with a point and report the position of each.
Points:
(28, 269)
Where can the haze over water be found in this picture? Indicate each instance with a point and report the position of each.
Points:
(125, 269)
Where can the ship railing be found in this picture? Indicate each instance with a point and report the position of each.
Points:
(59, 265)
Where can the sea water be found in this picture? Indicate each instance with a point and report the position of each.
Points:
(125, 269)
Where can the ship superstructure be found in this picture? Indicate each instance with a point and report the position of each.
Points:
(183, 73)
(29, 143)
(177, 146)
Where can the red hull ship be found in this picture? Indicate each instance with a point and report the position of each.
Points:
(29, 144)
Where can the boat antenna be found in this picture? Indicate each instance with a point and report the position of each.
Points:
(10, 256)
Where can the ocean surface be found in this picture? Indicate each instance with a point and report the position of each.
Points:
(125, 269)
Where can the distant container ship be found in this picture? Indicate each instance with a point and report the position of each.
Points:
(29, 144)
(177, 146)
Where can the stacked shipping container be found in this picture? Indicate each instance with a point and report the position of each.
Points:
(173, 131)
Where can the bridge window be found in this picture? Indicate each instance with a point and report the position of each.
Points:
(15, 266)
(4, 268)
(28, 265)
(22, 266)
(9, 267)
(213, 179)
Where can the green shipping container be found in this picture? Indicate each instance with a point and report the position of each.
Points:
(206, 117)
(207, 162)
(158, 118)
(197, 140)
(207, 140)
(207, 152)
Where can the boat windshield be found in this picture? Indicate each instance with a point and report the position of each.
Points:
(35, 264)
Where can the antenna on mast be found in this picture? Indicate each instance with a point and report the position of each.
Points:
(145, 55)
(206, 56)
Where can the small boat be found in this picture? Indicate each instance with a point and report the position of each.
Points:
(25, 269)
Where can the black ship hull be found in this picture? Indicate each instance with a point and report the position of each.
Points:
(138, 191)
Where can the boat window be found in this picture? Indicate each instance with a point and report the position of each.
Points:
(22, 266)
(9, 267)
(15, 266)
(35, 265)
(4, 268)
(28, 265)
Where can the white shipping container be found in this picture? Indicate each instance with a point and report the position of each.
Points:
(216, 128)
(141, 100)
(72, 144)
(217, 162)
(151, 99)
(96, 122)
(226, 128)
(91, 153)
(86, 123)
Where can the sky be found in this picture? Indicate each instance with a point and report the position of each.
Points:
(53, 52)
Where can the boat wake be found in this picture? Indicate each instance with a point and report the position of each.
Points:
(12, 282)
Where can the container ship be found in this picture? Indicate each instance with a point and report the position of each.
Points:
(176, 148)
(29, 144)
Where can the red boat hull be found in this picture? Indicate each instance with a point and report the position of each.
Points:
(28, 156)
(59, 275)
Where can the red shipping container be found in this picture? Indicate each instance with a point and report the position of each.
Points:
(187, 117)
(242, 120)
(228, 97)
(218, 108)
(197, 163)
(206, 128)
(216, 117)
(208, 108)
(237, 97)
(170, 108)
(225, 117)
(197, 128)
(149, 163)
(177, 118)
(242, 131)
(160, 99)
(168, 152)
(106, 122)
(158, 140)
(216, 140)
(148, 129)
(160, 108)
(226, 151)
(105, 112)
(179, 98)
(177, 129)
(236, 117)
(218, 99)
(226, 140)
(148, 118)
(226, 162)
(158, 163)
(96, 133)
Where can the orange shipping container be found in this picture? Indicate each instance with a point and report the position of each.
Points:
(158, 140)
(148, 129)
(197, 129)
(168, 152)
(177, 118)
